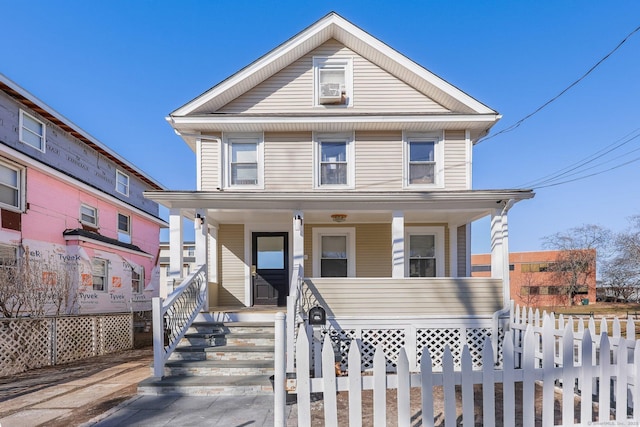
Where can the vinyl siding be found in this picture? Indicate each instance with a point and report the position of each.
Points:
(378, 161)
(288, 161)
(291, 89)
(462, 251)
(210, 163)
(409, 296)
(373, 250)
(231, 266)
(455, 160)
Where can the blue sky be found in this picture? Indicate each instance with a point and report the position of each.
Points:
(117, 68)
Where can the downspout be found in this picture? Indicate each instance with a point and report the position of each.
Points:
(495, 319)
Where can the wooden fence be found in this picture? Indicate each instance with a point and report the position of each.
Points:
(558, 373)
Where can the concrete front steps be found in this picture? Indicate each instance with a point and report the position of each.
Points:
(219, 358)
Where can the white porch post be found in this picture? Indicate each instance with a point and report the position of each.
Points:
(175, 249)
(298, 241)
(201, 232)
(497, 254)
(453, 250)
(397, 244)
(505, 254)
(212, 262)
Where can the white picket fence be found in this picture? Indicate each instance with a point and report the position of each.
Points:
(596, 375)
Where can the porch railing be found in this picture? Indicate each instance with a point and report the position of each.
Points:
(173, 317)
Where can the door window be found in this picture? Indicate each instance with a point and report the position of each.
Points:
(270, 252)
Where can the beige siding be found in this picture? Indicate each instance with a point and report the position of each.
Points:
(408, 297)
(455, 160)
(378, 161)
(462, 251)
(291, 89)
(210, 164)
(373, 250)
(231, 266)
(288, 161)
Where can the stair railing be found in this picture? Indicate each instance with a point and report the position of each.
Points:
(295, 314)
(173, 317)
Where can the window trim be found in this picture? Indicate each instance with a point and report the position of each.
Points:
(123, 233)
(119, 173)
(21, 187)
(106, 274)
(438, 175)
(438, 232)
(349, 232)
(227, 142)
(349, 139)
(22, 128)
(95, 211)
(347, 63)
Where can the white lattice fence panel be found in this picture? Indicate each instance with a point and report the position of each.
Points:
(341, 339)
(475, 340)
(391, 340)
(436, 339)
(75, 338)
(115, 333)
(24, 345)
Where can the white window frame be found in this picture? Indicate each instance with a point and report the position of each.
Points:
(106, 274)
(23, 129)
(334, 61)
(95, 215)
(20, 187)
(119, 174)
(349, 232)
(438, 232)
(228, 140)
(437, 138)
(124, 236)
(349, 139)
(140, 280)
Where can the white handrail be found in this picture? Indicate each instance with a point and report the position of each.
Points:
(173, 317)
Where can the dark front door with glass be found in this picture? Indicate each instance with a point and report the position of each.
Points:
(270, 269)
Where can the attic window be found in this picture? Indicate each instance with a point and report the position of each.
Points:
(333, 81)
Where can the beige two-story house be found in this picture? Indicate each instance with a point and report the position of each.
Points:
(335, 171)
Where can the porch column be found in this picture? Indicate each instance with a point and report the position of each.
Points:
(505, 253)
(201, 227)
(212, 262)
(497, 254)
(397, 244)
(298, 241)
(175, 250)
(453, 250)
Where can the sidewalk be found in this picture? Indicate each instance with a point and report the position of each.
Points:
(102, 392)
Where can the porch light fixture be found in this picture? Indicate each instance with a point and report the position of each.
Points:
(297, 222)
(338, 217)
(201, 218)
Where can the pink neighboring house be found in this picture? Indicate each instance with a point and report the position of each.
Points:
(67, 197)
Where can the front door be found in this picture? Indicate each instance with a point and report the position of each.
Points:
(270, 268)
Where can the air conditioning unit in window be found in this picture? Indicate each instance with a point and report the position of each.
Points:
(331, 93)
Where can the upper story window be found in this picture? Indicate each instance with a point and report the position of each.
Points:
(333, 81)
(11, 186)
(32, 131)
(335, 166)
(122, 183)
(124, 228)
(244, 155)
(423, 160)
(100, 268)
(424, 252)
(89, 215)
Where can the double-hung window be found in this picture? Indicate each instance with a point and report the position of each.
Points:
(423, 160)
(334, 165)
(122, 183)
(100, 271)
(333, 81)
(334, 252)
(11, 186)
(124, 228)
(424, 252)
(244, 161)
(137, 280)
(89, 215)
(32, 131)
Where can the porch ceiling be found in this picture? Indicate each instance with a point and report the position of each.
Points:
(447, 207)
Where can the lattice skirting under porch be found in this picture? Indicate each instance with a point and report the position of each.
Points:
(34, 343)
(414, 338)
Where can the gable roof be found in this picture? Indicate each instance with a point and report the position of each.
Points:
(333, 26)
